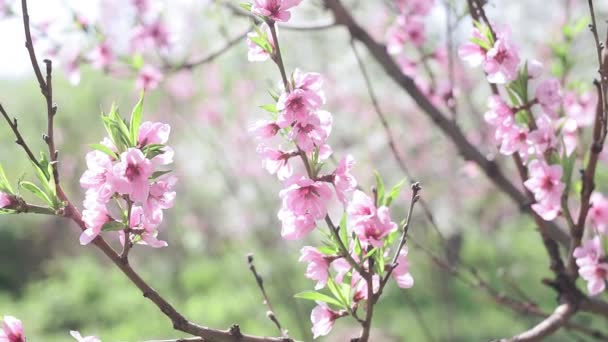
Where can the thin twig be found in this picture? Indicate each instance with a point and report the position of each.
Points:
(270, 313)
(391, 140)
(18, 137)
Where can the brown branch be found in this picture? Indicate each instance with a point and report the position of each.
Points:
(415, 198)
(466, 149)
(270, 313)
(547, 327)
(46, 89)
(276, 54)
(18, 137)
(391, 140)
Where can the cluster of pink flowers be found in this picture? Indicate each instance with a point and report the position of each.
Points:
(593, 265)
(129, 179)
(498, 55)
(409, 25)
(299, 130)
(12, 331)
(100, 46)
(531, 138)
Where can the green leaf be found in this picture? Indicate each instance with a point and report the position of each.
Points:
(113, 226)
(379, 188)
(246, 6)
(395, 191)
(153, 150)
(327, 250)
(337, 291)
(5, 185)
(317, 296)
(343, 229)
(137, 61)
(34, 189)
(567, 163)
(136, 119)
(105, 149)
(157, 174)
(272, 108)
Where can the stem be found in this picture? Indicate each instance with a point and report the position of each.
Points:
(276, 56)
(271, 314)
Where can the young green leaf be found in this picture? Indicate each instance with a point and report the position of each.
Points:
(34, 189)
(113, 226)
(317, 296)
(379, 188)
(105, 149)
(136, 115)
(394, 193)
(5, 185)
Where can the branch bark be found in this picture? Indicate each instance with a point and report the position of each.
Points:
(547, 327)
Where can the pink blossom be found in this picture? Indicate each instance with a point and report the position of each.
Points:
(407, 66)
(371, 224)
(312, 130)
(405, 29)
(500, 114)
(255, 52)
(342, 266)
(131, 173)
(141, 225)
(361, 287)
(149, 77)
(344, 181)
(161, 197)
(570, 135)
(94, 217)
(545, 184)
(535, 69)
(580, 107)
(79, 338)
(543, 138)
(471, 53)
(323, 319)
(277, 10)
(596, 276)
(549, 95)
(12, 330)
(598, 214)
(309, 81)
(305, 196)
(276, 161)
(401, 273)
(102, 56)
(142, 6)
(296, 105)
(415, 7)
(544, 180)
(97, 177)
(501, 62)
(5, 200)
(515, 139)
(153, 133)
(318, 265)
(264, 129)
(293, 226)
(150, 36)
(590, 252)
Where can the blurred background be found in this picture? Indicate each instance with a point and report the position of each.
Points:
(227, 204)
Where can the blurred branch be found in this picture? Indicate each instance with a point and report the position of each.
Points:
(548, 326)
(466, 149)
(271, 314)
(211, 57)
(391, 139)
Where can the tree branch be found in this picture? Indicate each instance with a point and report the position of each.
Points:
(449, 128)
(547, 327)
